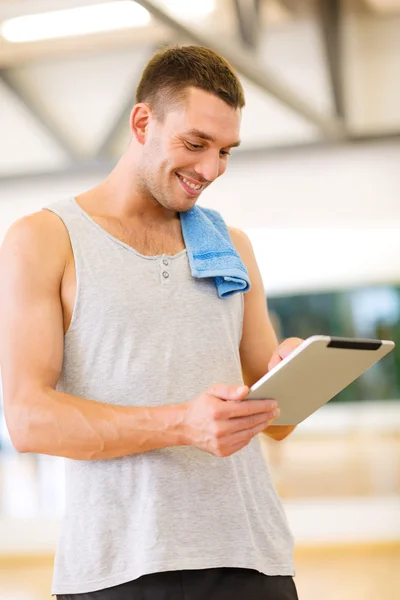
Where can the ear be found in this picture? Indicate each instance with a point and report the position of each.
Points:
(139, 120)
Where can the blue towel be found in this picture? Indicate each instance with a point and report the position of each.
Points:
(211, 252)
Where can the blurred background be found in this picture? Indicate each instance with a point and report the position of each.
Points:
(315, 184)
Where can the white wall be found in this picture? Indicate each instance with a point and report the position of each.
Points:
(321, 218)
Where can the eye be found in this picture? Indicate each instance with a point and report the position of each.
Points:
(193, 146)
(225, 153)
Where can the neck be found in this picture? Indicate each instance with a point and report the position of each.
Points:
(121, 196)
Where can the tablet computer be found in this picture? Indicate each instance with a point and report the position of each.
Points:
(318, 369)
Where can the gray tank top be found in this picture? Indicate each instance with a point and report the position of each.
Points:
(144, 332)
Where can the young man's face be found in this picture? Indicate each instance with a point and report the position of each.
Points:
(187, 151)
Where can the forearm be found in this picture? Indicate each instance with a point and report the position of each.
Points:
(59, 424)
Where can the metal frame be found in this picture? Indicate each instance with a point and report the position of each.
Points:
(40, 116)
(245, 61)
(248, 19)
(103, 166)
(248, 64)
(122, 117)
(290, 5)
(329, 15)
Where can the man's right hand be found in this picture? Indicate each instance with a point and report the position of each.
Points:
(221, 422)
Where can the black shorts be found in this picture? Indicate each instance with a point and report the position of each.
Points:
(199, 584)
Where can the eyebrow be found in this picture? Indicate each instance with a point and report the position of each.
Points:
(208, 137)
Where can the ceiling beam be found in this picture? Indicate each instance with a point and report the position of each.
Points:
(293, 6)
(248, 20)
(361, 139)
(248, 65)
(40, 115)
(329, 17)
(122, 118)
(24, 53)
(101, 167)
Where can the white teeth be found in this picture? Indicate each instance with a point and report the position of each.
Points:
(191, 185)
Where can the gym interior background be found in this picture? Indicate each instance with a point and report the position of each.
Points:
(315, 184)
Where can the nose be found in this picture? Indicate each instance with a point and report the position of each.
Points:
(209, 166)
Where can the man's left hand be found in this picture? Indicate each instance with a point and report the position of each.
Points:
(280, 432)
(283, 350)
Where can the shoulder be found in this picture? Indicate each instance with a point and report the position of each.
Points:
(40, 231)
(238, 235)
(41, 226)
(244, 247)
(39, 237)
(242, 243)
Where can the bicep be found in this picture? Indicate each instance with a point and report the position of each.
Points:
(258, 337)
(31, 325)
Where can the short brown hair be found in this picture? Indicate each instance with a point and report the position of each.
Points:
(173, 69)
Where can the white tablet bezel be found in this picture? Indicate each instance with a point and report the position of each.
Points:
(298, 402)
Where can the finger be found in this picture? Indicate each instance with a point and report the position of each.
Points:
(246, 423)
(275, 360)
(244, 437)
(251, 407)
(228, 392)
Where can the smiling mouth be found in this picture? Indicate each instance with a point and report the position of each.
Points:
(190, 188)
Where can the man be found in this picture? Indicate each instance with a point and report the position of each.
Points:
(116, 358)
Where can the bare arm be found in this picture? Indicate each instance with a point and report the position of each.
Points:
(42, 420)
(259, 340)
(39, 418)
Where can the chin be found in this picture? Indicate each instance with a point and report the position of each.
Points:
(180, 205)
(188, 204)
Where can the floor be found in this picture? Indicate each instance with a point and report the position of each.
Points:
(356, 466)
(349, 575)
